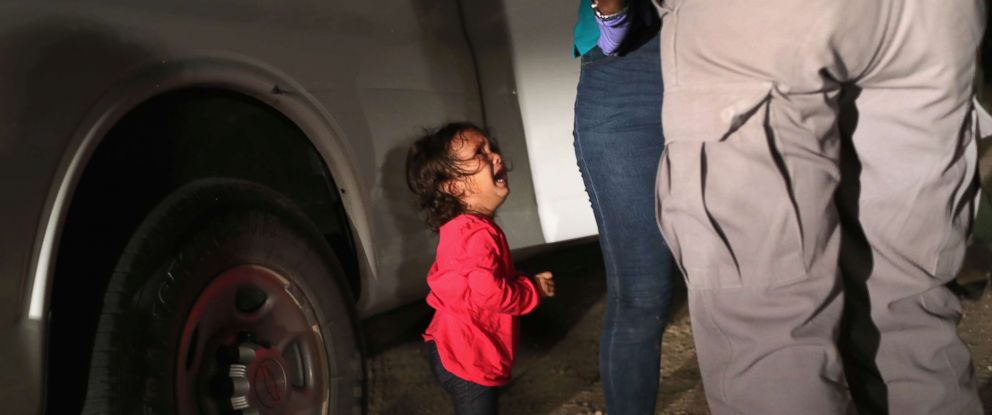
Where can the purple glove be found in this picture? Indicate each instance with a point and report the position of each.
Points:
(611, 32)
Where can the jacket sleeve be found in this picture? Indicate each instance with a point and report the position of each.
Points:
(487, 289)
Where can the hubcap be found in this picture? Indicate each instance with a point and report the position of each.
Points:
(252, 344)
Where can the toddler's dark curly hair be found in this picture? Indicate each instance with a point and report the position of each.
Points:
(430, 164)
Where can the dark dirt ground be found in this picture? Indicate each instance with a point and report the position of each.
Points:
(556, 372)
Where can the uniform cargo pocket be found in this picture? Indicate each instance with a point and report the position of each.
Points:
(725, 189)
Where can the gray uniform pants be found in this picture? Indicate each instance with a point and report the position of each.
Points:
(817, 188)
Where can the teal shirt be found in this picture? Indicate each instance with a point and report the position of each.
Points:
(586, 30)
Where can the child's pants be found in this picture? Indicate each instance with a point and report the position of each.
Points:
(821, 163)
(468, 398)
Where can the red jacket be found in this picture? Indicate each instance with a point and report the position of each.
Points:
(477, 295)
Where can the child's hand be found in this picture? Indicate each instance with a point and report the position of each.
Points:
(545, 284)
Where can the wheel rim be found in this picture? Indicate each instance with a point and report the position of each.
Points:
(252, 343)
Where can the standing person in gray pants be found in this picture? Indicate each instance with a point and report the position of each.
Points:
(817, 187)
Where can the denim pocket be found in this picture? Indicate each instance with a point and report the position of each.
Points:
(726, 205)
(595, 57)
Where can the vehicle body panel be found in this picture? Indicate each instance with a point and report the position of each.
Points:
(546, 75)
(361, 80)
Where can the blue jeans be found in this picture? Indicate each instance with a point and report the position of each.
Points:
(618, 142)
(468, 398)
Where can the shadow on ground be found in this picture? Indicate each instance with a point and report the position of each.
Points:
(556, 369)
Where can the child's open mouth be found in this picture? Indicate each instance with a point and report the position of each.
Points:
(499, 177)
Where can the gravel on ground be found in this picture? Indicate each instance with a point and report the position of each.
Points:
(556, 372)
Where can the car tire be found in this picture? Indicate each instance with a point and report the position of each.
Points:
(226, 300)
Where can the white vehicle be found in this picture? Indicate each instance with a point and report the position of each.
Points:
(201, 199)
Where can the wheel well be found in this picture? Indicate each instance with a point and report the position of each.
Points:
(164, 143)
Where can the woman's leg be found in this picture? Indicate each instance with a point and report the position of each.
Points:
(618, 143)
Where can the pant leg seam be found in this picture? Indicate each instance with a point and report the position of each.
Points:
(951, 329)
(725, 369)
(604, 232)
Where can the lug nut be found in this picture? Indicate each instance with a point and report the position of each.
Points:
(249, 299)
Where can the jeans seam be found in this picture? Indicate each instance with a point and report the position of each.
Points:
(604, 240)
(595, 195)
